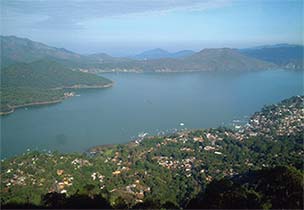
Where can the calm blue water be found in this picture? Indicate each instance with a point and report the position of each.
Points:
(150, 103)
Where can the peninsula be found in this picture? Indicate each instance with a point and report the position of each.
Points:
(42, 82)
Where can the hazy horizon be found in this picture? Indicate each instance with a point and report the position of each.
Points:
(122, 28)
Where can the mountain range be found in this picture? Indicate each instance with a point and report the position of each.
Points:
(222, 59)
(35, 73)
(286, 55)
(160, 53)
(15, 49)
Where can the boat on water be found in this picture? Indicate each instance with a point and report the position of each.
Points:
(142, 135)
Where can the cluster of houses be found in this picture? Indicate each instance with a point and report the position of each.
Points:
(138, 190)
(69, 94)
(281, 120)
(61, 186)
(171, 163)
(16, 179)
(78, 163)
(98, 176)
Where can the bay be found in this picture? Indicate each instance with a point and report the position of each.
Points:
(144, 102)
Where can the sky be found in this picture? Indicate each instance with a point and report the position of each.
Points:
(125, 27)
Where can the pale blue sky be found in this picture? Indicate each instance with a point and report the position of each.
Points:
(123, 27)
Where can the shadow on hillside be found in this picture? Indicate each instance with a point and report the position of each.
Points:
(60, 201)
(280, 187)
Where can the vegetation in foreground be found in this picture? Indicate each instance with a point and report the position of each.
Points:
(259, 165)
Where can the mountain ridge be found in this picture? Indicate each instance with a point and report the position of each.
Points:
(289, 56)
(159, 53)
(16, 49)
(219, 59)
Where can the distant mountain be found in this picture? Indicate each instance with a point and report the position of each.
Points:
(21, 50)
(153, 54)
(226, 59)
(160, 53)
(284, 55)
(15, 49)
(223, 59)
(101, 56)
(274, 46)
(105, 58)
(182, 53)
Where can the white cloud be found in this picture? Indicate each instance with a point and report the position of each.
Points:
(69, 13)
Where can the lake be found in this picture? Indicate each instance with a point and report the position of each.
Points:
(146, 102)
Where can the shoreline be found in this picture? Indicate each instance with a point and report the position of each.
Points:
(13, 108)
(185, 71)
(91, 150)
(77, 87)
(41, 103)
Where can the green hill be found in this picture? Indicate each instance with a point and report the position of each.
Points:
(284, 55)
(33, 73)
(15, 49)
(42, 82)
(225, 59)
(22, 50)
(222, 59)
(47, 74)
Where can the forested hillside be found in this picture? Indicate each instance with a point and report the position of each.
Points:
(42, 82)
(284, 55)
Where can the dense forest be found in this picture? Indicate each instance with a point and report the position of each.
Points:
(41, 82)
(259, 165)
(280, 187)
